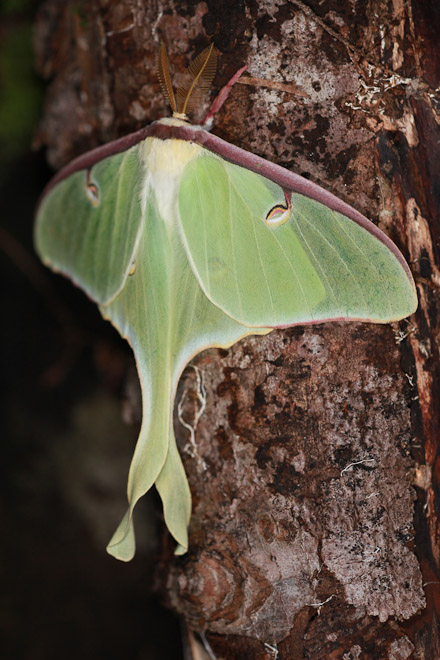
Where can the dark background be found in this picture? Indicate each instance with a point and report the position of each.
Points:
(63, 476)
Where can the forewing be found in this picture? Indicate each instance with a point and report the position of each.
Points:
(319, 265)
(87, 224)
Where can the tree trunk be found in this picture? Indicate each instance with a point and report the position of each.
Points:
(315, 474)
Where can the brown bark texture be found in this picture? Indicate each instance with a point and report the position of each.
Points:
(314, 465)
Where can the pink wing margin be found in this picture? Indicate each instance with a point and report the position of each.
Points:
(289, 181)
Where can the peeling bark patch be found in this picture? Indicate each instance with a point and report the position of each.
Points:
(388, 155)
(372, 557)
(286, 480)
(335, 50)
(427, 26)
(345, 157)
(341, 630)
(401, 649)
(227, 21)
(414, 196)
(303, 464)
(312, 134)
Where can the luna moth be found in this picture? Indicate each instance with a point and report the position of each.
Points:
(187, 242)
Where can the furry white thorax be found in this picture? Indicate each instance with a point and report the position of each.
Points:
(164, 162)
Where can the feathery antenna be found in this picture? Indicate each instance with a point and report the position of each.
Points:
(163, 73)
(197, 81)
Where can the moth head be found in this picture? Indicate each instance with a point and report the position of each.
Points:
(196, 82)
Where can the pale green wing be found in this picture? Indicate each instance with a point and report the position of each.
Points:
(319, 265)
(87, 225)
(167, 319)
(95, 240)
(154, 300)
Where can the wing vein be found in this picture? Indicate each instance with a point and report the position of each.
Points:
(318, 265)
(326, 240)
(370, 263)
(258, 249)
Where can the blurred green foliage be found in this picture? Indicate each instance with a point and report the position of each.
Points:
(21, 92)
(8, 7)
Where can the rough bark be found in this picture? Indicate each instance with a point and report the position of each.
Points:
(315, 470)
